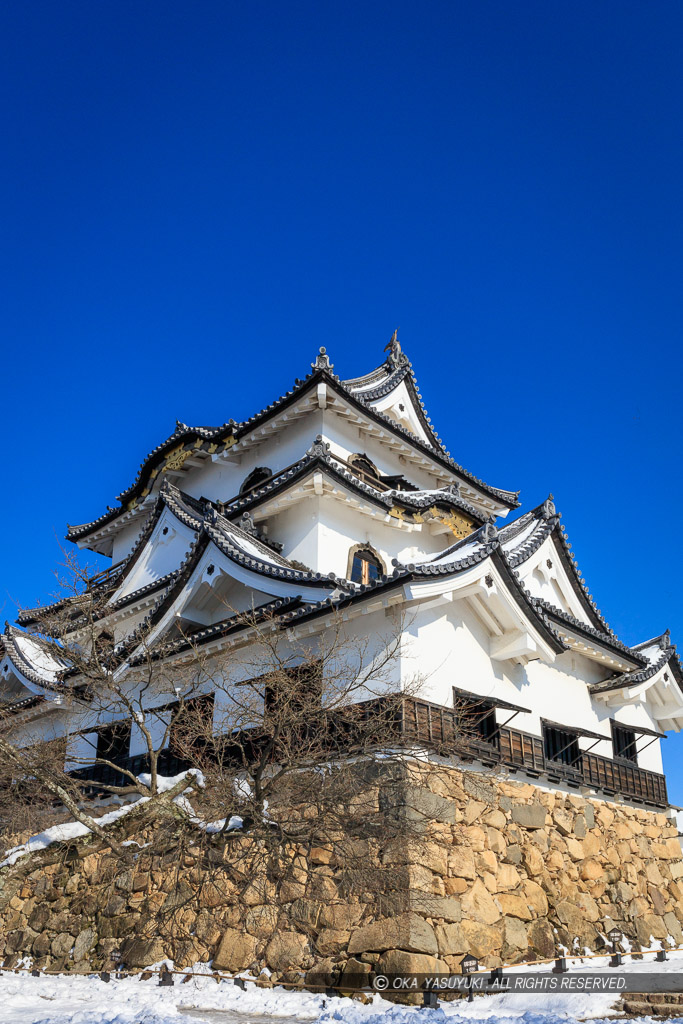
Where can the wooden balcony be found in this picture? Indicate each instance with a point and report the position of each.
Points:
(441, 729)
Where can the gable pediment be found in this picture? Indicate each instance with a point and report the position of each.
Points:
(545, 576)
(160, 554)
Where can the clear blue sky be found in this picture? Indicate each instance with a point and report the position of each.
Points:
(198, 195)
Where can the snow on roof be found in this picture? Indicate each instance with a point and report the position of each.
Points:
(32, 658)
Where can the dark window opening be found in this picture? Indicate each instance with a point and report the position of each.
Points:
(399, 483)
(365, 567)
(562, 745)
(293, 691)
(476, 719)
(191, 724)
(624, 743)
(256, 477)
(113, 742)
(364, 467)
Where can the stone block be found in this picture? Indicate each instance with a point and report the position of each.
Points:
(397, 961)
(447, 908)
(513, 906)
(496, 841)
(514, 937)
(461, 864)
(261, 921)
(574, 848)
(455, 886)
(481, 939)
(673, 926)
(143, 952)
(563, 821)
(42, 944)
(85, 940)
(649, 927)
(450, 939)
(236, 951)
(62, 944)
(533, 860)
(513, 854)
(423, 805)
(286, 950)
(478, 905)
(406, 931)
(480, 789)
(496, 819)
(535, 897)
(591, 869)
(473, 810)
(331, 941)
(574, 920)
(541, 938)
(507, 877)
(342, 916)
(530, 816)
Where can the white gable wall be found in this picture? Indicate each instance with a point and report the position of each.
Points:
(451, 648)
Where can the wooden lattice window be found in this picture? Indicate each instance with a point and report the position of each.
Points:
(624, 743)
(561, 745)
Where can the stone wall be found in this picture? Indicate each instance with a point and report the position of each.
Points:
(505, 871)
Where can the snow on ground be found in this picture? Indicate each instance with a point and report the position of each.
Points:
(76, 999)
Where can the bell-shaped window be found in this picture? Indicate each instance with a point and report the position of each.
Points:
(365, 566)
(256, 477)
(365, 468)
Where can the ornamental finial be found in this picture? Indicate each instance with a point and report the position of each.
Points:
(549, 509)
(247, 524)
(394, 349)
(489, 531)
(322, 360)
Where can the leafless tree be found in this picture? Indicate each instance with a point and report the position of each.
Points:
(296, 741)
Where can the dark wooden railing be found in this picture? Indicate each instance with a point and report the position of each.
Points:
(442, 728)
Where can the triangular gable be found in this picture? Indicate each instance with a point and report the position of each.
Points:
(545, 576)
(213, 586)
(402, 407)
(537, 547)
(27, 667)
(162, 550)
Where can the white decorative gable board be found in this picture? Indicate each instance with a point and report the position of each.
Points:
(544, 576)
(399, 405)
(162, 553)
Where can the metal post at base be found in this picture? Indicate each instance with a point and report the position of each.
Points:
(430, 999)
(35, 973)
(105, 976)
(470, 993)
(661, 956)
(615, 936)
(560, 965)
(166, 978)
